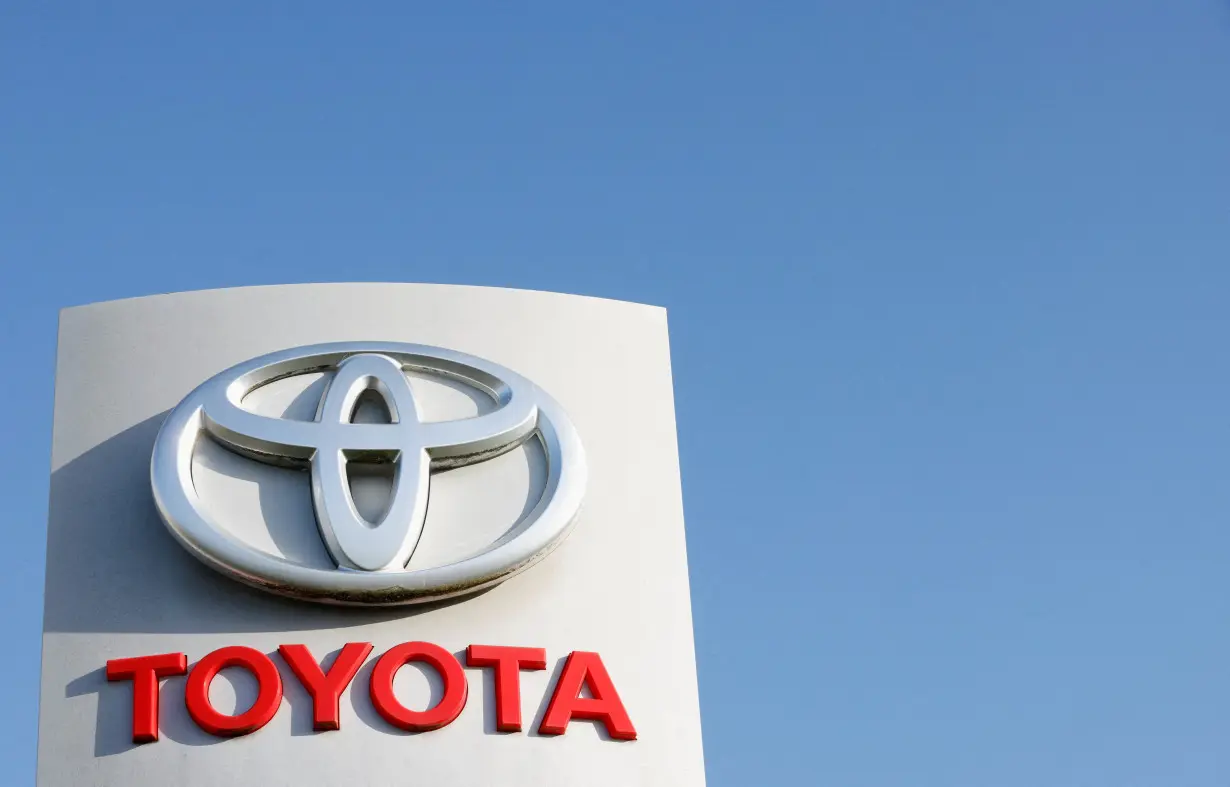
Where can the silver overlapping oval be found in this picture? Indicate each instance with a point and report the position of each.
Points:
(370, 558)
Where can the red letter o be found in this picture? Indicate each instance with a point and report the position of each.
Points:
(268, 696)
(448, 708)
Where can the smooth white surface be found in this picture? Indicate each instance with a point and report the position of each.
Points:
(118, 585)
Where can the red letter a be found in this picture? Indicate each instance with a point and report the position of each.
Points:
(586, 670)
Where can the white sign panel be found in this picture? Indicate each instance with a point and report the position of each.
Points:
(366, 534)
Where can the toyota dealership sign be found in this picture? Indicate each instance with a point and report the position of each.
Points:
(366, 534)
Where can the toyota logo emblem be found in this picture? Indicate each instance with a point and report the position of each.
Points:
(370, 558)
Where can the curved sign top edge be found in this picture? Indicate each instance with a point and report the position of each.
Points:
(370, 560)
(384, 285)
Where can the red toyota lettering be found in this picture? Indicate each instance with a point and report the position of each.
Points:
(584, 690)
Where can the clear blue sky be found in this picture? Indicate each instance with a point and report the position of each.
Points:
(948, 287)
